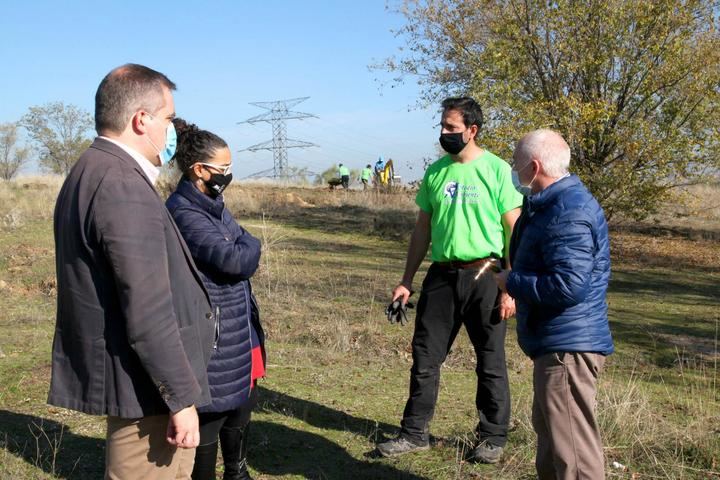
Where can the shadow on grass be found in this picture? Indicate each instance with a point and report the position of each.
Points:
(388, 224)
(283, 450)
(669, 231)
(50, 446)
(669, 286)
(319, 415)
(644, 320)
(348, 249)
(275, 449)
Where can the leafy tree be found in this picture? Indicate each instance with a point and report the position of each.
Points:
(633, 85)
(12, 158)
(59, 132)
(355, 174)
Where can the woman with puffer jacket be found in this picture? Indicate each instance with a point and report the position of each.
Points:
(226, 256)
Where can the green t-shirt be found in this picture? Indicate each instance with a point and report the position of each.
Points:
(466, 202)
(344, 171)
(366, 173)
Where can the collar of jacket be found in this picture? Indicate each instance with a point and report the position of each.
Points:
(546, 197)
(109, 147)
(188, 190)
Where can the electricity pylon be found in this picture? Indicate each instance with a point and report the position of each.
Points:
(278, 112)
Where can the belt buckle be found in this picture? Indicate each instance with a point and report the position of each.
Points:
(490, 264)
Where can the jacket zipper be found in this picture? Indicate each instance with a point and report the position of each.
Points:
(249, 313)
(217, 328)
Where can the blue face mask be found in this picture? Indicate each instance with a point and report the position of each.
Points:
(170, 144)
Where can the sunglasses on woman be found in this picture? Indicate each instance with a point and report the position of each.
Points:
(223, 169)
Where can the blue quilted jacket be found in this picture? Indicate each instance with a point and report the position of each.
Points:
(560, 255)
(226, 256)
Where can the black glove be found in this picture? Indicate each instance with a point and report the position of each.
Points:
(397, 312)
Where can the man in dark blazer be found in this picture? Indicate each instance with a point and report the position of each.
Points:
(134, 326)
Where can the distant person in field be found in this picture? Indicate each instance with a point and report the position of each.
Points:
(134, 326)
(344, 173)
(561, 267)
(227, 257)
(379, 170)
(468, 208)
(366, 176)
(379, 165)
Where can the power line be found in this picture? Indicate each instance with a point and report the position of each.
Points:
(277, 114)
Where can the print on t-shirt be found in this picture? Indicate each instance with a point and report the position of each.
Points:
(451, 189)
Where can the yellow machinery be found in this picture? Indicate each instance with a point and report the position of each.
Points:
(386, 176)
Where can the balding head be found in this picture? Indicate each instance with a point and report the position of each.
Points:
(548, 148)
(126, 90)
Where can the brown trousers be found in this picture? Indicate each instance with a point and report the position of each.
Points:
(137, 449)
(563, 416)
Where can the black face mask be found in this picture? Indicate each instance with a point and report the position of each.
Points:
(452, 142)
(217, 183)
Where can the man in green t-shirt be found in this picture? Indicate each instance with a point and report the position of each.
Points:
(365, 176)
(344, 175)
(468, 207)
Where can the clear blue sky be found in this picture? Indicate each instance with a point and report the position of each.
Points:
(223, 55)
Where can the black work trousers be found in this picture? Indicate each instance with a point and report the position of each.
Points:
(452, 297)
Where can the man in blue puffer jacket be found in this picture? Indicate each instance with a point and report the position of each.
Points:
(560, 257)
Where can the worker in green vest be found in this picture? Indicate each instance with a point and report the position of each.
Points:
(365, 176)
(344, 175)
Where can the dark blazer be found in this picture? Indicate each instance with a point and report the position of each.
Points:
(227, 256)
(134, 328)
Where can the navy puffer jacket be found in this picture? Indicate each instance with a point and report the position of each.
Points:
(227, 256)
(560, 255)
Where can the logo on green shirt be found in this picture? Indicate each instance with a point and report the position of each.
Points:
(451, 189)
(460, 192)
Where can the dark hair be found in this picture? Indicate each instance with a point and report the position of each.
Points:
(468, 108)
(124, 91)
(194, 145)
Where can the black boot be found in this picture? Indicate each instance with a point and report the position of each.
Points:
(205, 459)
(234, 444)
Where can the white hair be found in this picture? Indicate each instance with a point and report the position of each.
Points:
(547, 147)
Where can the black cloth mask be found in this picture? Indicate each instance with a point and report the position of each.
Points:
(217, 183)
(452, 143)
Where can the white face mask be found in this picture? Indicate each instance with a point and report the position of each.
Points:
(522, 189)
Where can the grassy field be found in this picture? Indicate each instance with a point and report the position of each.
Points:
(338, 373)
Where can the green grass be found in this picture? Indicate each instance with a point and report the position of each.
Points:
(338, 373)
